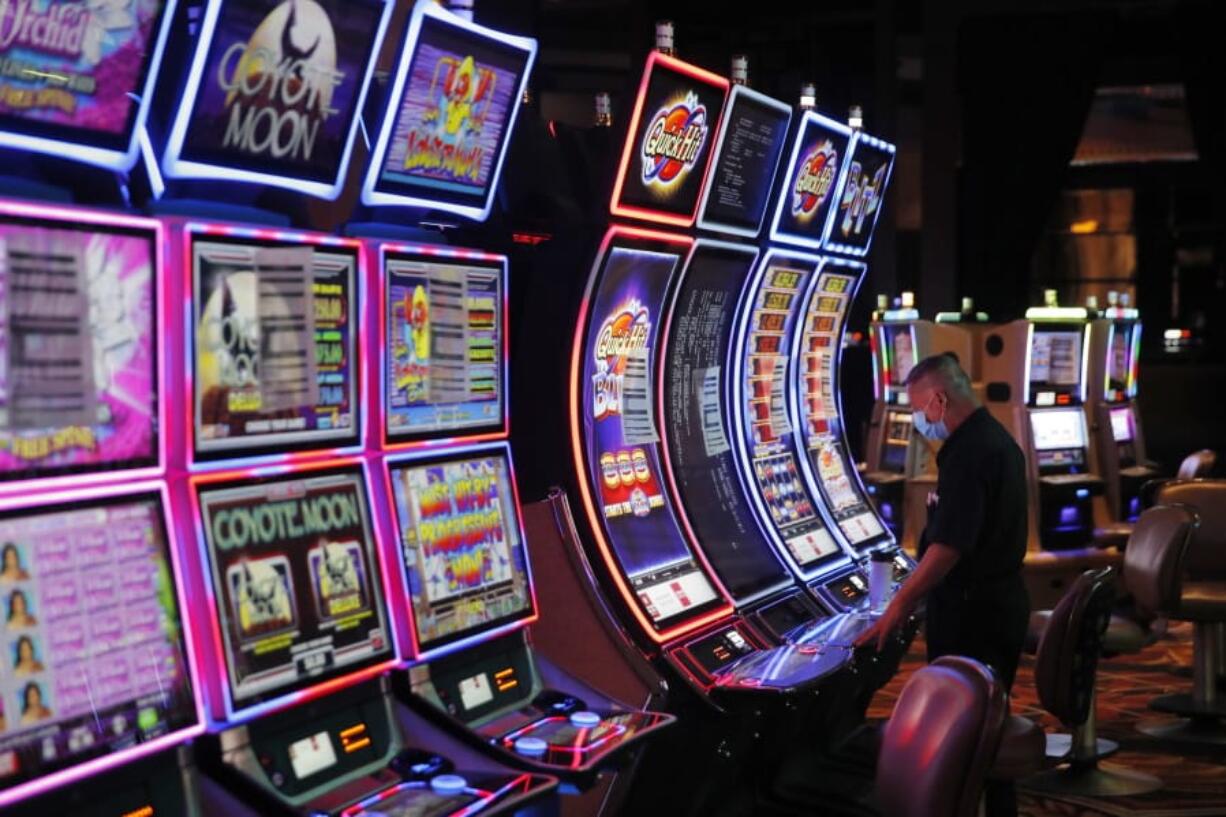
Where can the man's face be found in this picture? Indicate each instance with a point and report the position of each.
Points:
(925, 396)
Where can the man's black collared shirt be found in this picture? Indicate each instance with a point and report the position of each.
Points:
(979, 507)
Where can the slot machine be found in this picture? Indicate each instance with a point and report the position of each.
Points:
(299, 633)
(828, 206)
(1111, 407)
(678, 520)
(98, 682)
(1036, 381)
(448, 498)
(900, 466)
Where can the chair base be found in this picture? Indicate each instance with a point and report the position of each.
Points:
(1188, 730)
(1093, 780)
(1060, 746)
(1186, 705)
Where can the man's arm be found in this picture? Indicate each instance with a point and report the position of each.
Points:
(938, 560)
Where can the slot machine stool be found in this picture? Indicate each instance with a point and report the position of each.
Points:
(1197, 465)
(1201, 599)
(940, 740)
(1066, 669)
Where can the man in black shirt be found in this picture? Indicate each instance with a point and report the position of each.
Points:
(971, 551)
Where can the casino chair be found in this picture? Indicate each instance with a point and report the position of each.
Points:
(1197, 465)
(1199, 596)
(940, 740)
(1066, 667)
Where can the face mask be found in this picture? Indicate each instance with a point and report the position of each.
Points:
(928, 428)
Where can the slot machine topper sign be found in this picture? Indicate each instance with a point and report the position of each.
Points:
(77, 76)
(275, 91)
(861, 196)
(452, 109)
(669, 144)
(818, 164)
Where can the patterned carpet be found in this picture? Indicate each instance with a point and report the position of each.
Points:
(1195, 777)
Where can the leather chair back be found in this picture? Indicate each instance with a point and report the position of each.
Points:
(1154, 558)
(1196, 465)
(1067, 660)
(1206, 557)
(940, 740)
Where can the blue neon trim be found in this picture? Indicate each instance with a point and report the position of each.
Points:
(173, 167)
(373, 197)
(846, 249)
(770, 102)
(797, 239)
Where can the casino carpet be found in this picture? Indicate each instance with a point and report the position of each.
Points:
(1195, 776)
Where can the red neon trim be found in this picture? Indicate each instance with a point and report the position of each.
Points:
(577, 450)
(693, 72)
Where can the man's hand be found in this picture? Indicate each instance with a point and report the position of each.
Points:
(883, 627)
(938, 560)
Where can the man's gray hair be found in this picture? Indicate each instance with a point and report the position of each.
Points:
(944, 371)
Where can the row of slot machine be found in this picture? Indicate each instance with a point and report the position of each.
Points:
(262, 547)
(725, 520)
(1062, 379)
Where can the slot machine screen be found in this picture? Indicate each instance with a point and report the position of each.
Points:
(1055, 359)
(462, 545)
(620, 438)
(443, 346)
(78, 347)
(669, 144)
(862, 196)
(1122, 424)
(902, 353)
(296, 581)
(93, 659)
(449, 117)
(818, 162)
(276, 362)
(1058, 429)
(1119, 360)
(275, 91)
(697, 419)
(752, 141)
(75, 74)
(899, 428)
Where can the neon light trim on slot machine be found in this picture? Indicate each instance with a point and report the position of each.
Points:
(664, 162)
(104, 418)
(617, 327)
(455, 96)
(257, 285)
(239, 124)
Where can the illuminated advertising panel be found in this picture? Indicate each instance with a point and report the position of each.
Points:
(818, 165)
(275, 91)
(861, 196)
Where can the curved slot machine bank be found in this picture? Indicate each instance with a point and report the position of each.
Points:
(700, 503)
(466, 575)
